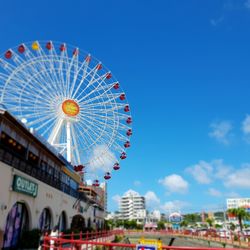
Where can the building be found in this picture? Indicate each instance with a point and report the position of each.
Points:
(39, 188)
(238, 202)
(132, 207)
(153, 217)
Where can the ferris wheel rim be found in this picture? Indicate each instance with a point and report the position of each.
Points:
(71, 47)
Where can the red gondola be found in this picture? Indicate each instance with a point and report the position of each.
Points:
(49, 45)
(88, 58)
(96, 183)
(116, 86)
(122, 97)
(62, 47)
(108, 76)
(75, 52)
(116, 166)
(129, 132)
(126, 108)
(127, 144)
(78, 168)
(21, 48)
(123, 155)
(129, 120)
(8, 54)
(99, 66)
(107, 176)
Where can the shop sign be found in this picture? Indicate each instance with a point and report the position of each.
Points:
(146, 247)
(25, 186)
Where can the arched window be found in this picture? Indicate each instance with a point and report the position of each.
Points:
(62, 222)
(45, 220)
(17, 222)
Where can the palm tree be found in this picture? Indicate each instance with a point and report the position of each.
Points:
(210, 221)
(240, 213)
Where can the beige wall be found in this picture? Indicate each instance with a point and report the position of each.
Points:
(47, 197)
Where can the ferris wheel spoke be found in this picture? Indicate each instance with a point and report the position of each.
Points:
(102, 78)
(61, 70)
(31, 69)
(41, 64)
(32, 82)
(98, 107)
(81, 132)
(49, 61)
(36, 64)
(75, 75)
(107, 135)
(29, 95)
(36, 114)
(99, 118)
(68, 75)
(96, 116)
(48, 128)
(7, 66)
(83, 67)
(57, 71)
(91, 130)
(103, 133)
(99, 95)
(42, 119)
(88, 134)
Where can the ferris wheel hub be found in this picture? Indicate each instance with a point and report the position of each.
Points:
(70, 108)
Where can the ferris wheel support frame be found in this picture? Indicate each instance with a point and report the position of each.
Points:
(68, 141)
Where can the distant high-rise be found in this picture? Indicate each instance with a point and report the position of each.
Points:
(132, 206)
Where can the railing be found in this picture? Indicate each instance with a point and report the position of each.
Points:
(235, 239)
(103, 241)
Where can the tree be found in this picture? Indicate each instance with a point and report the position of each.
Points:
(240, 214)
(184, 223)
(192, 218)
(161, 225)
(210, 222)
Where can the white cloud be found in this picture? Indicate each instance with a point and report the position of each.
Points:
(201, 172)
(246, 125)
(174, 206)
(246, 128)
(137, 183)
(102, 159)
(216, 21)
(232, 195)
(116, 199)
(205, 172)
(239, 178)
(152, 201)
(131, 192)
(247, 4)
(174, 184)
(221, 131)
(221, 169)
(214, 192)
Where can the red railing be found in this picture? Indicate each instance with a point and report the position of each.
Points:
(236, 239)
(103, 240)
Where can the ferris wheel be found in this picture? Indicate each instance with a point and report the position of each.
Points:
(71, 99)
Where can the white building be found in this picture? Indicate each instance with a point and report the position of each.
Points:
(238, 202)
(153, 217)
(132, 207)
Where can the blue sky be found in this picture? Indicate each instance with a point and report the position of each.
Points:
(184, 66)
